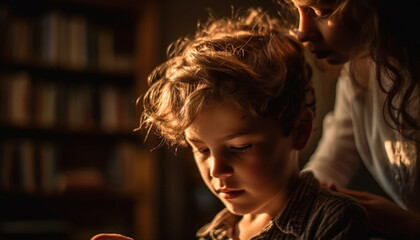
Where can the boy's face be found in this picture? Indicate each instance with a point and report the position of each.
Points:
(245, 161)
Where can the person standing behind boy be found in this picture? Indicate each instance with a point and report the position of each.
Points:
(239, 94)
(376, 116)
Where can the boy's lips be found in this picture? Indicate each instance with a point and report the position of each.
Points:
(229, 193)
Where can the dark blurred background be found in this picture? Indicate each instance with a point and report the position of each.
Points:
(71, 165)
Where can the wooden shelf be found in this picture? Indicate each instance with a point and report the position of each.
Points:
(91, 73)
(57, 133)
(119, 7)
(103, 195)
(71, 163)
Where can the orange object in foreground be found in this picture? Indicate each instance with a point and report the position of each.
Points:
(110, 236)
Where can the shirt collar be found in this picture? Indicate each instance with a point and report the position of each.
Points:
(294, 218)
(221, 227)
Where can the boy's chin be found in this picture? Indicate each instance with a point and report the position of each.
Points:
(236, 210)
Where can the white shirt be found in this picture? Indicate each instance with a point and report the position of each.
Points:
(356, 132)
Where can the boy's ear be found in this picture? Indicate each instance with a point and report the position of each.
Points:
(303, 129)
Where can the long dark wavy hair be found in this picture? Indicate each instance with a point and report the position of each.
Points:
(392, 38)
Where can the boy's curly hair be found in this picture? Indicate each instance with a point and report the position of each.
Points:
(249, 60)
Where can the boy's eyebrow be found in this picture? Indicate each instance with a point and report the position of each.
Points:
(231, 136)
(234, 135)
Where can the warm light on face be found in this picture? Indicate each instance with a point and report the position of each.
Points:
(329, 34)
(245, 161)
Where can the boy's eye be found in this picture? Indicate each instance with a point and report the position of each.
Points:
(241, 149)
(205, 150)
(200, 150)
(318, 13)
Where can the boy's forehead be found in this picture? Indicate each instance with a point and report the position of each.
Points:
(222, 118)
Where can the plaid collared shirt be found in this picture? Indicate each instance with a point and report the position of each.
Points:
(312, 212)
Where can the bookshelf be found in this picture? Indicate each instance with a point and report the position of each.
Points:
(70, 164)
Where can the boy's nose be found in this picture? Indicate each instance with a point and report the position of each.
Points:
(308, 29)
(220, 167)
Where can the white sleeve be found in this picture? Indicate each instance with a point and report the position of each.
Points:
(336, 158)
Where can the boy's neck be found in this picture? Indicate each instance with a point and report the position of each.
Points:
(251, 224)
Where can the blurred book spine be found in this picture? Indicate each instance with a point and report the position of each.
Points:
(37, 103)
(31, 166)
(17, 96)
(57, 39)
(27, 166)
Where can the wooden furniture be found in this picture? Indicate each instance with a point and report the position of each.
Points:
(70, 163)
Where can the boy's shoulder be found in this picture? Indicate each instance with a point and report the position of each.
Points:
(336, 204)
(325, 201)
(314, 212)
(336, 210)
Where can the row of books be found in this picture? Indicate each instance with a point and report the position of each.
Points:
(35, 167)
(27, 102)
(63, 39)
(20, 172)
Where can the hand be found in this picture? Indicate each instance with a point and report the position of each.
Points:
(330, 185)
(385, 216)
(110, 236)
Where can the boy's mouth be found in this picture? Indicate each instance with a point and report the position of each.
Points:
(229, 193)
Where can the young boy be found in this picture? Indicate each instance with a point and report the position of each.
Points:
(239, 94)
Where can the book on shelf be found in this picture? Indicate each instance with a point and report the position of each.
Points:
(116, 109)
(83, 178)
(16, 89)
(27, 166)
(16, 98)
(108, 110)
(77, 42)
(130, 168)
(31, 166)
(4, 98)
(45, 104)
(21, 35)
(26, 102)
(35, 229)
(105, 45)
(6, 164)
(47, 167)
(4, 25)
(61, 39)
(80, 107)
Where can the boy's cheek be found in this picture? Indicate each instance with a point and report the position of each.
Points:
(205, 175)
